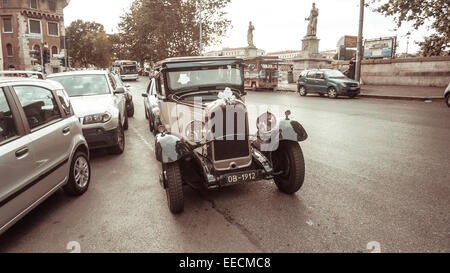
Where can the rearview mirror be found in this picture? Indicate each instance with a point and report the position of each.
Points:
(145, 95)
(119, 90)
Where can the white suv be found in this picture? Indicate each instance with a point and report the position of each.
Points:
(99, 101)
(42, 147)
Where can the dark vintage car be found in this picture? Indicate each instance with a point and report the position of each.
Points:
(204, 137)
(327, 81)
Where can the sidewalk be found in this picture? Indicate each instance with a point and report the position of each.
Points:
(388, 91)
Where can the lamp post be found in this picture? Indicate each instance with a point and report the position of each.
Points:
(359, 54)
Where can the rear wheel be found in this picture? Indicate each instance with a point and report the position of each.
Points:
(174, 190)
(125, 125)
(288, 161)
(80, 175)
(130, 112)
(302, 91)
(151, 124)
(447, 100)
(332, 93)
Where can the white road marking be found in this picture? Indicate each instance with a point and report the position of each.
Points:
(141, 137)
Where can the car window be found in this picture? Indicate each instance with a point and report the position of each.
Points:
(311, 75)
(84, 85)
(7, 126)
(65, 102)
(39, 105)
(320, 76)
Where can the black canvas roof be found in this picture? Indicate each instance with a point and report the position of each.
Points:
(198, 61)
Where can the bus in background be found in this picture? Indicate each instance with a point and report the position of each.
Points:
(128, 70)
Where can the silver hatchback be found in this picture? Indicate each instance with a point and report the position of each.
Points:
(42, 147)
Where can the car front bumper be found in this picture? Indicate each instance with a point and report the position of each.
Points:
(100, 138)
(349, 91)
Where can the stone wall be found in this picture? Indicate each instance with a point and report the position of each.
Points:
(431, 71)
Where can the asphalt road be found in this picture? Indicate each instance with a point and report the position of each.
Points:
(376, 171)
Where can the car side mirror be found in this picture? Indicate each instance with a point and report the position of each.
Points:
(119, 90)
(145, 95)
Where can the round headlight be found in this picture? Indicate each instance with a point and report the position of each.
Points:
(195, 131)
(266, 122)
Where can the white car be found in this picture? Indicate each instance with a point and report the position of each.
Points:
(99, 103)
(447, 95)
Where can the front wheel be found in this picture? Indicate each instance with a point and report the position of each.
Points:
(80, 175)
(332, 93)
(120, 146)
(174, 188)
(289, 163)
(302, 91)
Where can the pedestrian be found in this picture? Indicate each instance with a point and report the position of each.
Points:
(350, 72)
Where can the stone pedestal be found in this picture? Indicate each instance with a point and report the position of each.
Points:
(310, 57)
(251, 52)
(310, 47)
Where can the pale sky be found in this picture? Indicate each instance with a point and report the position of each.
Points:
(280, 24)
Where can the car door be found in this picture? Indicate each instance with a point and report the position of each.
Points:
(152, 98)
(50, 134)
(17, 168)
(311, 81)
(321, 83)
(165, 107)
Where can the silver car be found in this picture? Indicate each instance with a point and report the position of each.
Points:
(99, 102)
(42, 147)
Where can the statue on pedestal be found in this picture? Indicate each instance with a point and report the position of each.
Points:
(312, 26)
(251, 28)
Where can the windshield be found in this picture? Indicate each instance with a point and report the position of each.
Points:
(179, 80)
(336, 74)
(129, 69)
(84, 85)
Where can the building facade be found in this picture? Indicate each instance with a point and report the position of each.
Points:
(235, 52)
(29, 25)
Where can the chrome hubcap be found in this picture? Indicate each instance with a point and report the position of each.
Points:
(302, 90)
(81, 172)
(332, 93)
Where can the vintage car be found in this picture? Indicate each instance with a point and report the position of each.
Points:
(204, 137)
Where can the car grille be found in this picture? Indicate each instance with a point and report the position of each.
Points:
(352, 84)
(232, 142)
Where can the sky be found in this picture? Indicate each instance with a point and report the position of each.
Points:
(280, 25)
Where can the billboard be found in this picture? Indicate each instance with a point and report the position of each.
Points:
(379, 48)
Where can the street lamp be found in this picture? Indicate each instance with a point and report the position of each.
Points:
(359, 54)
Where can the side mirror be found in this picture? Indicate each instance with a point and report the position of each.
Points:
(119, 90)
(145, 95)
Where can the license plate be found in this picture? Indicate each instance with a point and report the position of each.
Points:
(241, 177)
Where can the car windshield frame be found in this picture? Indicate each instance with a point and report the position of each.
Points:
(338, 75)
(202, 72)
(70, 90)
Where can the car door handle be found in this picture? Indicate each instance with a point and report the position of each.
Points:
(66, 130)
(22, 152)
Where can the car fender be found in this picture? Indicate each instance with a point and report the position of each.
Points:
(170, 148)
(288, 130)
(292, 130)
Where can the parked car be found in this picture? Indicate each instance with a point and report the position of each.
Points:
(447, 95)
(327, 81)
(42, 147)
(146, 72)
(100, 104)
(151, 107)
(128, 95)
(208, 143)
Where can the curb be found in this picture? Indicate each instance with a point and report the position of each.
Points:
(387, 97)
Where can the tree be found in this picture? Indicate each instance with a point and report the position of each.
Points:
(89, 44)
(420, 12)
(156, 29)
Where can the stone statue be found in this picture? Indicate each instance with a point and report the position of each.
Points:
(312, 26)
(251, 28)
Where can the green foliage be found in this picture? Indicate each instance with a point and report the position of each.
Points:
(89, 44)
(422, 12)
(156, 29)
